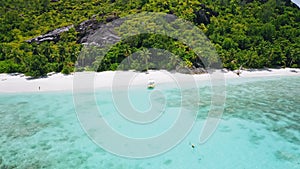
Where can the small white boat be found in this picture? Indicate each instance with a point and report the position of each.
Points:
(151, 84)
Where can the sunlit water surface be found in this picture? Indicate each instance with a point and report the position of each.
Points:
(260, 128)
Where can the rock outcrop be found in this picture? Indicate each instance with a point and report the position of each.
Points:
(84, 29)
(87, 28)
(50, 36)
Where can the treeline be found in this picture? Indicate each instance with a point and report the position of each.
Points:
(141, 52)
(39, 59)
(257, 34)
(252, 33)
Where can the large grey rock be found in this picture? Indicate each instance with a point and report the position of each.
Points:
(50, 36)
(85, 30)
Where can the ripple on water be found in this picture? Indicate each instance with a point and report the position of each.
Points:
(256, 139)
(285, 155)
(42, 131)
(266, 103)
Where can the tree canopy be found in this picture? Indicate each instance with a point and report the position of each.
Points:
(252, 33)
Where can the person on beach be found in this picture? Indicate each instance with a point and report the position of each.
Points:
(39, 87)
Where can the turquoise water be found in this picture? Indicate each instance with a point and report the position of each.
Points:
(260, 128)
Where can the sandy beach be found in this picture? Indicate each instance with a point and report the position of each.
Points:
(12, 83)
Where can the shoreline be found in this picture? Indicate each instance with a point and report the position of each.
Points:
(18, 83)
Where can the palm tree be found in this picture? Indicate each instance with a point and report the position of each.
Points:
(127, 54)
(174, 61)
(145, 54)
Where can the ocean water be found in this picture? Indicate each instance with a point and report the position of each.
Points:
(260, 128)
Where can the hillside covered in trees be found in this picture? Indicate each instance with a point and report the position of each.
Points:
(252, 33)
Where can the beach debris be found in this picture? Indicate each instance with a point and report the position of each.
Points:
(239, 71)
(294, 71)
(224, 70)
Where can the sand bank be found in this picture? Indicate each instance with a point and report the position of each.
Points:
(11, 83)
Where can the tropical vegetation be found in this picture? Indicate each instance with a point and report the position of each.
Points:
(251, 33)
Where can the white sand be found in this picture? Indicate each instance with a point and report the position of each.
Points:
(59, 82)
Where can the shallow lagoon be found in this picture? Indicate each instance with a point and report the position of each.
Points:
(259, 129)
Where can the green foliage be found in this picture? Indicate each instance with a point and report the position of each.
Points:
(68, 68)
(268, 31)
(228, 43)
(36, 66)
(256, 34)
(8, 66)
